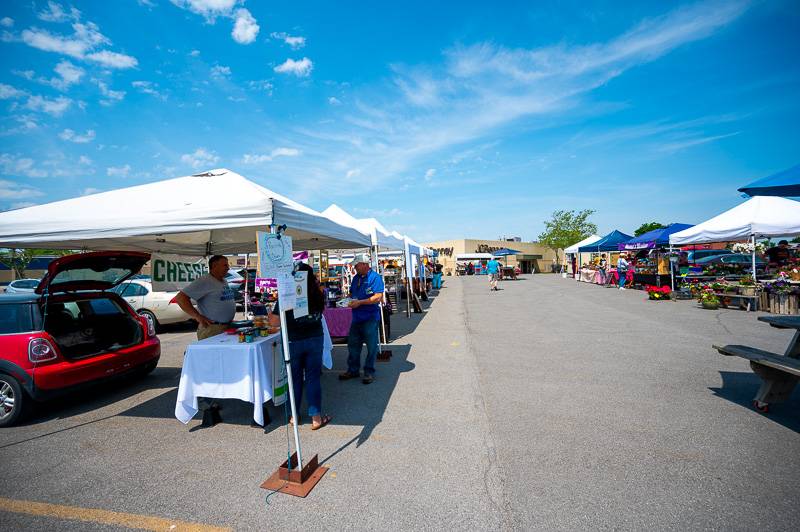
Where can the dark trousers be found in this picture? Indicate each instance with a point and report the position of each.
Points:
(362, 332)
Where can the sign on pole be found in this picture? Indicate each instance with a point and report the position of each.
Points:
(301, 294)
(276, 262)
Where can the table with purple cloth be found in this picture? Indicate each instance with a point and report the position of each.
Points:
(338, 320)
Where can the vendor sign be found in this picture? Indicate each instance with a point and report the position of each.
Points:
(301, 294)
(171, 273)
(276, 262)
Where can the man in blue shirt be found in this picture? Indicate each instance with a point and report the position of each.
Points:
(366, 292)
(493, 269)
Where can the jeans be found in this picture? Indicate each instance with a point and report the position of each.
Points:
(360, 333)
(622, 277)
(602, 272)
(306, 361)
(437, 280)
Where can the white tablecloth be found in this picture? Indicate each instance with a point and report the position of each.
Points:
(222, 368)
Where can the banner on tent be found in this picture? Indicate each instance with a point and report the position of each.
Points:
(171, 273)
(275, 261)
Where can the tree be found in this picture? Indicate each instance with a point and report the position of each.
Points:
(647, 227)
(566, 228)
(18, 259)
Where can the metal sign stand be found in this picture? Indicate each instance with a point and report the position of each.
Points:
(292, 477)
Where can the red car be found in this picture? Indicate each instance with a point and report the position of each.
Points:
(72, 331)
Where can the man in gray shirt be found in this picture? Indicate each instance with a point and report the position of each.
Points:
(217, 308)
(215, 300)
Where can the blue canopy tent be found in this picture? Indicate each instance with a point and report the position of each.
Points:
(653, 239)
(505, 252)
(610, 242)
(786, 184)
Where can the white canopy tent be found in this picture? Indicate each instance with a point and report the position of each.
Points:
(573, 249)
(216, 212)
(761, 216)
(380, 236)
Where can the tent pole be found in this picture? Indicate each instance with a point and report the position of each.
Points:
(246, 284)
(671, 269)
(754, 257)
(289, 380)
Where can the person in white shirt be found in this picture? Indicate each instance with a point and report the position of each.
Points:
(622, 269)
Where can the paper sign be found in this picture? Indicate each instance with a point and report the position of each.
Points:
(276, 262)
(171, 273)
(301, 294)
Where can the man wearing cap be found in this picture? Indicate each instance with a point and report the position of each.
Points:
(366, 292)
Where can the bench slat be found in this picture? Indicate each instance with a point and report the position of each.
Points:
(773, 360)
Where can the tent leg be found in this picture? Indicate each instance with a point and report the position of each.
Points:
(754, 257)
(671, 270)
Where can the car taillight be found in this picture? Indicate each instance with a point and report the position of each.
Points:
(149, 326)
(40, 350)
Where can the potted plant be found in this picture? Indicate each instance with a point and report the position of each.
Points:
(747, 286)
(708, 299)
(657, 293)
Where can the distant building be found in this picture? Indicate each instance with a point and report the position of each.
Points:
(533, 257)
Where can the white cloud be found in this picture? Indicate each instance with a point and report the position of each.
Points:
(148, 87)
(201, 158)
(6, 22)
(26, 123)
(27, 74)
(301, 68)
(277, 152)
(54, 107)
(71, 136)
(80, 45)
(209, 9)
(89, 190)
(429, 174)
(69, 74)
(220, 72)
(194, 53)
(7, 92)
(245, 28)
(333, 100)
(56, 13)
(113, 59)
(84, 160)
(261, 85)
(20, 166)
(110, 95)
(118, 171)
(353, 173)
(295, 42)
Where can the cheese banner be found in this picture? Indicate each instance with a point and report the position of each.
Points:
(171, 273)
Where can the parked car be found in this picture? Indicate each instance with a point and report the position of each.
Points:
(695, 255)
(743, 260)
(236, 283)
(250, 274)
(159, 308)
(72, 331)
(22, 286)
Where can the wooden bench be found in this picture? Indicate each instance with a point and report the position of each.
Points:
(779, 374)
(752, 301)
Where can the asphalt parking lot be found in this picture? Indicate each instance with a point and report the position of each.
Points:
(547, 405)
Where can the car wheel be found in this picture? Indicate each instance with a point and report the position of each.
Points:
(13, 402)
(149, 316)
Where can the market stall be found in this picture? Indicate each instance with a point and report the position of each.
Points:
(572, 256)
(651, 255)
(608, 244)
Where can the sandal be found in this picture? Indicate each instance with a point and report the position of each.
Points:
(324, 421)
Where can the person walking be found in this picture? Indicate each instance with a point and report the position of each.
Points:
(602, 267)
(216, 307)
(622, 270)
(493, 269)
(305, 349)
(366, 292)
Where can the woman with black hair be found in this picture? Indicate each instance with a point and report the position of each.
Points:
(305, 349)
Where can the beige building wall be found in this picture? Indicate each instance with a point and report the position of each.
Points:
(533, 254)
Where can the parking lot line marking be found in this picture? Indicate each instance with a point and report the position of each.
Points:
(94, 515)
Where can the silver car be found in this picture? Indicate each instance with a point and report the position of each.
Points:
(22, 286)
(159, 308)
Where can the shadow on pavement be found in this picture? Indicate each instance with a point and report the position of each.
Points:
(740, 388)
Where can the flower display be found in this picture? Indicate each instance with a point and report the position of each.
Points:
(658, 292)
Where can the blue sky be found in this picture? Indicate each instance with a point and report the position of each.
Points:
(442, 120)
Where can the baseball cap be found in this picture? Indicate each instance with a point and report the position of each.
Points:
(360, 257)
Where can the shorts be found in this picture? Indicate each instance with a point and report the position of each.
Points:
(494, 277)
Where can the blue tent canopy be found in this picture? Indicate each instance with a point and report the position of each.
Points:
(504, 252)
(607, 243)
(654, 238)
(786, 184)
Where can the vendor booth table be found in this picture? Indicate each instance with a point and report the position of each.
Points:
(589, 276)
(339, 319)
(221, 367)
